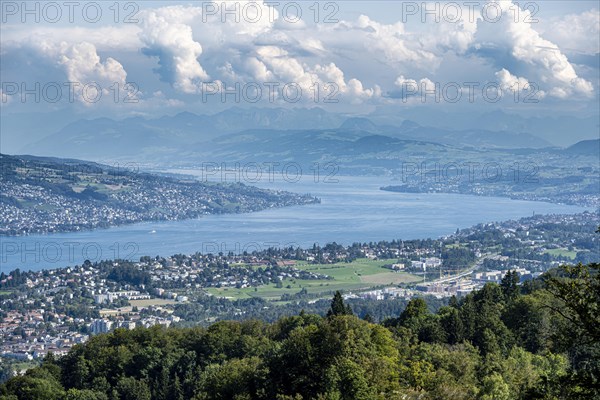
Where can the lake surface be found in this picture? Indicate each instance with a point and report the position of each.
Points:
(352, 210)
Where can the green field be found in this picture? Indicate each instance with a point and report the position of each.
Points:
(562, 252)
(361, 274)
(150, 302)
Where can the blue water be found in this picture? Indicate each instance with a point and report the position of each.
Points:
(352, 210)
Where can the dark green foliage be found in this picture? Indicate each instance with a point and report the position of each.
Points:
(36, 384)
(338, 307)
(493, 344)
(128, 273)
(457, 258)
(510, 285)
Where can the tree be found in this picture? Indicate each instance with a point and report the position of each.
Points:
(416, 309)
(234, 379)
(338, 307)
(494, 388)
(482, 347)
(85, 394)
(578, 287)
(529, 322)
(36, 384)
(452, 324)
(510, 285)
(132, 389)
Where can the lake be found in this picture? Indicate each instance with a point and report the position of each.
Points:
(353, 209)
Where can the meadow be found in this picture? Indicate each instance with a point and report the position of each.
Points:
(361, 274)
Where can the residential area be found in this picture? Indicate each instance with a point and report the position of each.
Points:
(53, 310)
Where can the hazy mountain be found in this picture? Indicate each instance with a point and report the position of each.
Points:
(288, 134)
(479, 138)
(169, 134)
(560, 130)
(585, 148)
(362, 124)
(21, 129)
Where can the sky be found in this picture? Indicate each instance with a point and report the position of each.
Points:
(69, 60)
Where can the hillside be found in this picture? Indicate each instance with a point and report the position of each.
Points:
(42, 194)
(539, 340)
(201, 137)
(585, 148)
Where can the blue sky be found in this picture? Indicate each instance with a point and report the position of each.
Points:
(357, 57)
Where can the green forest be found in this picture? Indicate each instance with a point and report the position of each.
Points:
(536, 340)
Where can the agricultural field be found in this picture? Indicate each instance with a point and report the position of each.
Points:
(150, 302)
(106, 312)
(562, 252)
(361, 274)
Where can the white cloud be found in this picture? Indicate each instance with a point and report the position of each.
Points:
(391, 41)
(253, 17)
(82, 64)
(413, 90)
(84, 68)
(455, 32)
(542, 60)
(123, 37)
(195, 47)
(166, 35)
(511, 84)
(579, 33)
(318, 79)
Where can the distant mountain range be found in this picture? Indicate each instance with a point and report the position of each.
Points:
(143, 137)
(585, 148)
(560, 130)
(240, 134)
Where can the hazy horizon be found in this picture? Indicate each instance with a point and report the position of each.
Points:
(492, 65)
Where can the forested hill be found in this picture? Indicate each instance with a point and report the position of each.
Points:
(540, 340)
(43, 194)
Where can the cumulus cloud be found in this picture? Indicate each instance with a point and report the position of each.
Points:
(512, 84)
(177, 35)
(539, 59)
(408, 89)
(199, 45)
(455, 30)
(578, 33)
(248, 17)
(167, 36)
(318, 80)
(352, 90)
(82, 64)
(389, 40)
(83, 67)
(105, 38)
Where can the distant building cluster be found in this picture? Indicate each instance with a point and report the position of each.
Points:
(41, 197)
(52, 310)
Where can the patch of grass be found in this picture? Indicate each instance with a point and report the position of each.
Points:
(562, 252)
(362, 274)
(229, 292)
(390, 278)
(25, 365)
(150, 302)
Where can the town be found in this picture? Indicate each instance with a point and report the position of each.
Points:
(52, 310)
(41, 196)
